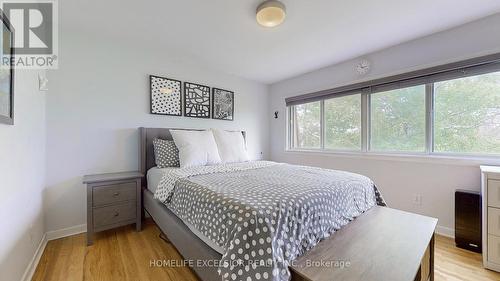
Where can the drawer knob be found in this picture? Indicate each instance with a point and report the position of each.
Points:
(116, 194)
(117, 214)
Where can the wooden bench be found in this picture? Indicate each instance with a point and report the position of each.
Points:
(383, 244)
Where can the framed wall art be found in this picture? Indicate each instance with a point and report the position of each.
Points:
(165, 96)
(6, 74)
(196, 100)
(222, 104)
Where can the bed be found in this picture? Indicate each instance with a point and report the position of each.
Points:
(249, 221)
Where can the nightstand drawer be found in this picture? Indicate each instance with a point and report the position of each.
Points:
(114, 214)
(494, 221)
(108, 194)
(494, 193)
(113, 200)
(494, 249)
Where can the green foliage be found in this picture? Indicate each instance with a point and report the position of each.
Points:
(343, 123)
(307, 125)
(466, 119)
(467, 115)
(398, 120)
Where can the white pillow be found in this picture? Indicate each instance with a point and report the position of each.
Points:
(196, 148)
(231, 146)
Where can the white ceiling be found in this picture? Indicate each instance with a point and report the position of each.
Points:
(316, 33)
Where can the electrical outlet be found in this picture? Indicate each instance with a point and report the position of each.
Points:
(417, 199)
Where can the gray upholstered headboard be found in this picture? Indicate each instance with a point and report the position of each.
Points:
(146, 150)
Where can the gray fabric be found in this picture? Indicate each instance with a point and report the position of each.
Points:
(266, 217)
(170, 177)
(187, 243)
(166, 153)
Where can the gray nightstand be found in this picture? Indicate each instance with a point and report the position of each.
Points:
(113, 200)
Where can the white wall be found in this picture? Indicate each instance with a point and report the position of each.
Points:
(22, 177)
(398, 178)
(98, 98)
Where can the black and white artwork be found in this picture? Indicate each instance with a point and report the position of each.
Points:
(196, 100)
(223, 104)
(165, 96)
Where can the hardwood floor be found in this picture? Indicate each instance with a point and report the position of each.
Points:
(124, 254)
(452, 263)
(121, 254)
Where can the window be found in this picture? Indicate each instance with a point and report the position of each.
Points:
(343, 123)
(307, 125)
(398, 120)
(467, 115)
(443, 110)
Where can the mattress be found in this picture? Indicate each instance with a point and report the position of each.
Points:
(154, 176)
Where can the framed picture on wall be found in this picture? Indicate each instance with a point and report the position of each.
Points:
(196, 100)
(222, 104)
(165, 96)
(6, 74)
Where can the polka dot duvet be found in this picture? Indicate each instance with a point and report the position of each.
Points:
(265, 214)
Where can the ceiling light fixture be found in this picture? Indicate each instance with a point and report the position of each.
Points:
(271, 13)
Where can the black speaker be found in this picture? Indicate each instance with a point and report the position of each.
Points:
(468, 220)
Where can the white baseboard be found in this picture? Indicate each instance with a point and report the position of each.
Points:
(445, 231)
(50, 235)
(30, 270)
(77, 229)
(65, 232)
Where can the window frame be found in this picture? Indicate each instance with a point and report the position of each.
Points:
(290, 128)
(495, 156)
(365, 148)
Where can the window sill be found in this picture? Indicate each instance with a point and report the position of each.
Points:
(435, 158)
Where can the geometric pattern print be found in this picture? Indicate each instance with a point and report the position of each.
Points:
(223, 104)
(165, 103)
(196, 100)
(264, 216)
